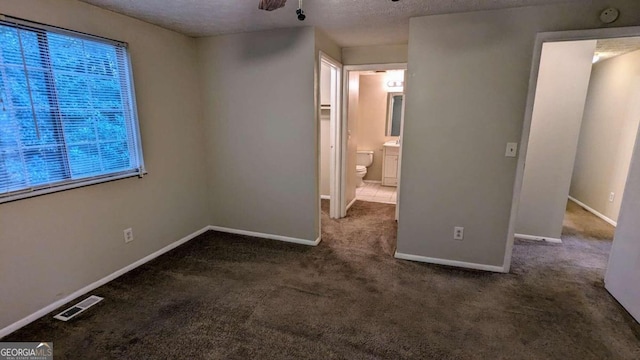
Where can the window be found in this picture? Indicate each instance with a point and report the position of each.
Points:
(67, 111)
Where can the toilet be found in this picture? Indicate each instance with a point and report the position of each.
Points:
(363, 161)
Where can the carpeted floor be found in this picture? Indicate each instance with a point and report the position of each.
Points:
(233, 297)
(580, 223)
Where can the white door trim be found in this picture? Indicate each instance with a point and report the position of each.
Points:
(541, 38)
(404, 106)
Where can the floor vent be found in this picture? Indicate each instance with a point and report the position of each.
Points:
(78, 308)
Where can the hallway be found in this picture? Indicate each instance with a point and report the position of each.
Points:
(582, 224)
(586, 244)
(368, 226)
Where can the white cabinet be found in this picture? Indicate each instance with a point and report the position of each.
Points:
(390, 166)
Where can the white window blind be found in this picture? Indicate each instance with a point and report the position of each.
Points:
(67, 111)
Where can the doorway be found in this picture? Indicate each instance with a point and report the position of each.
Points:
(562, 132)
(381, 89)
(372, 133)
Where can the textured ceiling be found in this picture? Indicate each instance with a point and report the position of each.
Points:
(609, 48)
(348, 22)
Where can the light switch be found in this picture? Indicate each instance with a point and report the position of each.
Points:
(512, 150)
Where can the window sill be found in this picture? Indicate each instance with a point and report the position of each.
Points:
(25, 194)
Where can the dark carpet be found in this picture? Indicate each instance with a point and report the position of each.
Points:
(224, 296)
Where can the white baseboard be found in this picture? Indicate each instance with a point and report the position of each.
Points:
(49, 308)
(325, 197)
(460, 264)
(538, 238)
(593, 211)
(266, 236)
(351, 204)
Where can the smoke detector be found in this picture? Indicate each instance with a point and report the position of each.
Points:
(609, 15)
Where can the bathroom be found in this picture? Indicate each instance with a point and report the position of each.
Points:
(374, 110)
(380, 104)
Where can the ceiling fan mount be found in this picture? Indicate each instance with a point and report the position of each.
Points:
(270, 5)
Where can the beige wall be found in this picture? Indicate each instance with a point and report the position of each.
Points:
(384, 54)
(372, 122)
(325, 44)
(561, 93)
(608, 134)
(467, 88)
(262, 135)
(56, 244)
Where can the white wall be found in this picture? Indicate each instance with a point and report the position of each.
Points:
(608, 134)
(383, 54)
(56, 244)
(465, 99)
(623, 272)
(561, 93)
(260, 116)
(372, 123)
(325, 84)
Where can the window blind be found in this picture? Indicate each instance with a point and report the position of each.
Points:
(67, 111)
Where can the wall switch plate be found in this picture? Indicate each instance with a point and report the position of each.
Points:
(612, 197)
(512, 150)
(128, 235)
(458, 233)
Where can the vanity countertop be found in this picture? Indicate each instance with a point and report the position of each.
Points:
(392, 143)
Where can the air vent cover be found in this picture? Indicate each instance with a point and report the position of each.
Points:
(78, 308)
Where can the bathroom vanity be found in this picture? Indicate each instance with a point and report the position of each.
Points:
(391, 152)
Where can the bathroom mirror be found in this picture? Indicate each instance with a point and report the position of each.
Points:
(394, 113)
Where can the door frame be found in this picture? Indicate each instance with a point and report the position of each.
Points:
(345, 131)
(334, 133)
(541, 38)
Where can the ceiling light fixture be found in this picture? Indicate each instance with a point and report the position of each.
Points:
(394, 81)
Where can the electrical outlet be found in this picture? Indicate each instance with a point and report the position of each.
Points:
(612, 197)
(128, 235)
(458, 233)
